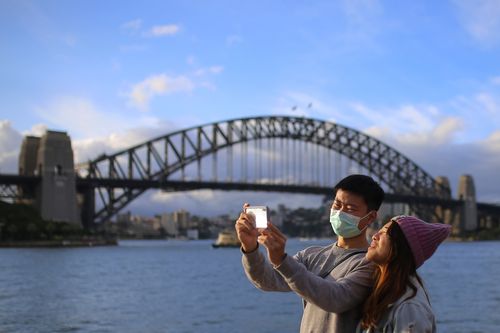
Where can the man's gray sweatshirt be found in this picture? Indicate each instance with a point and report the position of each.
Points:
(331, 304)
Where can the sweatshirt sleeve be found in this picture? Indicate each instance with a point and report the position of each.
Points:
(328, 294)
(413, 318)
(261, 273)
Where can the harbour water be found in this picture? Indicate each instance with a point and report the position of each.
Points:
(187, 286)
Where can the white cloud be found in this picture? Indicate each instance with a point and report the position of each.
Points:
(481, 113)
(132, 25)
(209, 70)
(164, 30)
(495, 80)
(157, 85)
(36, 130)
(446, 129)
(488, 103)
(453, 138)
(10, 143)
(438, 154)
(89, 148)
(492, 143)
(405, 119)
(481, 19)
(9, 137)
(141, 94)
(79, 117)
(441, 132)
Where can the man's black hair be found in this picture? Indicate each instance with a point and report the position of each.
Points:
(365, 187)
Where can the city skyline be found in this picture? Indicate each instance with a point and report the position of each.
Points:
(421, 77)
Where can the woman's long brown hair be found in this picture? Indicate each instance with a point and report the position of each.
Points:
(392, 279)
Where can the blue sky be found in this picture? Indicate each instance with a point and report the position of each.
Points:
(422, 76)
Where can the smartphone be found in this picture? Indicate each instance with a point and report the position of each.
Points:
(259, 213)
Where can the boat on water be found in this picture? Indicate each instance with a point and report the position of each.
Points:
(227, 238)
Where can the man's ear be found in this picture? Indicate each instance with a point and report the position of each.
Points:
(370, 218)
(373, 216)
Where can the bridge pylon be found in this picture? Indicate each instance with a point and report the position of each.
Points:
(467, 193)
(51, 158)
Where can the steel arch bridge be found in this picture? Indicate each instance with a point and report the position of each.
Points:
(290, 148)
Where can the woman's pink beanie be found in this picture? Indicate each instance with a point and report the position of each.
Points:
(423, 237)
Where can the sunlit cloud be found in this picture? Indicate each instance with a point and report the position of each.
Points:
(446, 130)
(404, 119)
(439, 133)
(141, 94)
(492, 143)
(157, 85)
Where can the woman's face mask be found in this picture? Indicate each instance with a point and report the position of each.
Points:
(344, 224)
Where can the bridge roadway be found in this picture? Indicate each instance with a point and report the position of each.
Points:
(182, 185)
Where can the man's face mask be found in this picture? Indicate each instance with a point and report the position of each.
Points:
(345, 225)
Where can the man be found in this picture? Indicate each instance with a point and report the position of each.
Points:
(333, 280)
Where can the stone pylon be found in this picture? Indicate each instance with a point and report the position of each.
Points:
(467, 193)
(51, 158)
(28, 167)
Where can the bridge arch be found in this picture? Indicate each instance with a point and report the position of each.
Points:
(159, 158)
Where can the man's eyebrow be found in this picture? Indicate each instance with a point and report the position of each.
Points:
(345, 203)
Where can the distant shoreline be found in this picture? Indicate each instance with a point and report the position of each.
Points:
(59, 243)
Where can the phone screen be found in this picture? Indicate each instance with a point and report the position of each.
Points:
(260, 215)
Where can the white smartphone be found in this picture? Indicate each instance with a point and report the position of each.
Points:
(259, 213)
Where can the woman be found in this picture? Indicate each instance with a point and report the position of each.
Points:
(399, 302)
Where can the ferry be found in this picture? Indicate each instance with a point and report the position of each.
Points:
(227, 238)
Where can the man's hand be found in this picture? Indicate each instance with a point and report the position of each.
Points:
(246, 231)
(274, 241)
